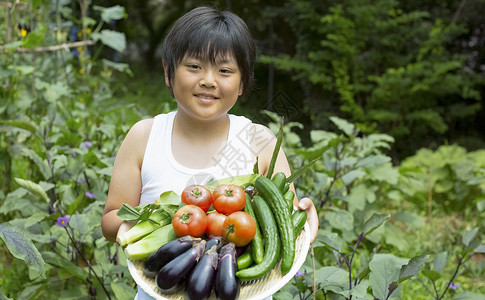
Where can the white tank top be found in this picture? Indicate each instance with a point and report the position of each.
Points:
(160, 171)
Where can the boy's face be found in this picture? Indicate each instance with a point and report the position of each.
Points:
(206, 90)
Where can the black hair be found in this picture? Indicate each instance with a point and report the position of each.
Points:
(209, 34)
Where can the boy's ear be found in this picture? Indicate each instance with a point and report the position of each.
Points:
(167, 79)
(240, 89)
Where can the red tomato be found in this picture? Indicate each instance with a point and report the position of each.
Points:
(215, 221)
(228, 198)
(197, 195)
(189, 220)
(239, 228)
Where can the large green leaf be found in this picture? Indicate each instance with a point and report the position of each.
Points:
(340, 219)
(413, 267)
(344, 125)
(36, 37)
(385, 269)
(21, 247)
(108, 14)
(110, 38)
(328, 277)
(23, 124)
(32, 187)
(374, 222)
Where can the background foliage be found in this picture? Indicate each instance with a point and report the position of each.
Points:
(400, 180)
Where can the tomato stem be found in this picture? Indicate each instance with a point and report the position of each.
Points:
(228, 192)
(196, 192)
(185, 218)
(229, 229)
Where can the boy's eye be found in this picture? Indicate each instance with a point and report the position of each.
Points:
(225, 71)
(192, 66)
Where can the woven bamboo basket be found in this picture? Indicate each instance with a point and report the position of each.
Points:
(250, 290)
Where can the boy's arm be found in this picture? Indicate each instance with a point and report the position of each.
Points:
(281, 165)
(125, 185)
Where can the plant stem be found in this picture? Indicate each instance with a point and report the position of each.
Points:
(86, 261)
(426, 288)
(460, 263)
(314, 278)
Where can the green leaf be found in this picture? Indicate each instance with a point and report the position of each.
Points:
(431, 275)
(3, 297)
(122, 291)
(479, 249)
(349, 177)
(412, 267)
(375, 221)
(39, 162)
(385, 269)
(276, 150)
(110, 38)
(347, 127)
(468, 236)
(439, 261)
(331, 240)
(22, 248)
(124, 68)
(32, 187)
(340, 219)
(331, 276)
(169, 197)
(22, 124)
(36, 37)
(70, 268)
(108, 14)
(128, 213)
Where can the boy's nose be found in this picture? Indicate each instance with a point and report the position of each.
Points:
(208, 80)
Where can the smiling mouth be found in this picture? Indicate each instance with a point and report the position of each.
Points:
(206, 97)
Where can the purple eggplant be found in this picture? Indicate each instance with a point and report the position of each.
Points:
(201, 281)
(170, 277)
(227, 284)
(214, 240)
(166, 253)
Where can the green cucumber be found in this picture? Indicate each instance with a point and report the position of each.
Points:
(279, 206)
(272, 242)
(289, 196)
(244, 261)
(279, 179)
(298, 219)
(286, 188)
(257, 246)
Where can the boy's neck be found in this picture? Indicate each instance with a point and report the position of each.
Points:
(201, 129)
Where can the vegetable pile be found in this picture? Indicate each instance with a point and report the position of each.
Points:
(184, 243)
(211, 238)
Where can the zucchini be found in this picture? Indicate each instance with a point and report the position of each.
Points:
(279, 206)
(272, 242)
(298, 219)
(279, 179)
(257, 246)
(289, 196)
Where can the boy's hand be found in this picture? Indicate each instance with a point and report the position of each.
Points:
(124, 227)
(307, 205)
